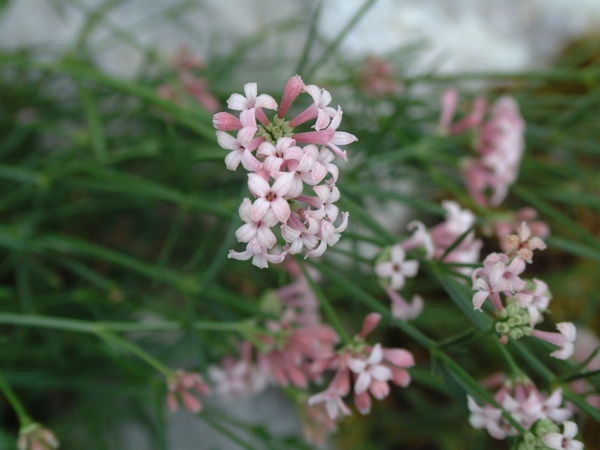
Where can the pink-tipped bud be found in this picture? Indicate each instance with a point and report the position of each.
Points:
(370, 323)
(293, 89)
(399, 357)
(191, 403)
(363, 403)
(322, 137)
(225, 121)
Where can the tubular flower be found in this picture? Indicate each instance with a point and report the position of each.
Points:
(180, 384)
(564, 339)
(281, 170)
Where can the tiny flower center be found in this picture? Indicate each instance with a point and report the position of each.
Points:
(396, 267)
(271, 196)
(275, 130)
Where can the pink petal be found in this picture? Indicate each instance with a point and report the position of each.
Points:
(281, 209)
(399, 357)
(258, 186)
(362, 382)
(259, 208)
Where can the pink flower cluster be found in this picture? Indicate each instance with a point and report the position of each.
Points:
(285, 353)
(525, 300)
(524, 402)
(186, 64)
(368, 369)
(279, 170)
(393, 268)
(499, 141)
(377, 78)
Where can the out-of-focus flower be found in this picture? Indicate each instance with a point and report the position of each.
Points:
(524, 402)
(397, 268)
(499, 142)
(563, 339)
(377, 78)
(368, 368)
(180, 385)
(523, 243)
(185, 63)
(565, 440)
(36, 437)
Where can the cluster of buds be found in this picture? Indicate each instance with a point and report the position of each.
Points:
(523, 401)
(186, 64)
(283, 354)
(499, 142)
(525, 300)
(369, 369)
(393, 268)
(279, 170)
(180, 385)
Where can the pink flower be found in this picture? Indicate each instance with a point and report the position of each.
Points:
(251, 99)
(329, 137)
(420, 238)
(332, 396)
(525, 403)
(536, 301)
(403, 310)
(180, 384)
(489, 282)
(377, 78)
(489, 418)
(259, 254)
(238, 378)
(523, 243)
(397, 269)
(270, 198)
(322, 98)
(563, 339)
(504, 228)
(260, 229)
(370, 370)
(564, 441)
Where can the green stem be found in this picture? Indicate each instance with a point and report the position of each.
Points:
(14, 401)
(326, 305)
(83, 326)
(137, 351)
(514, 367)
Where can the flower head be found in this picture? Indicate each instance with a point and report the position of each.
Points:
(281, 168)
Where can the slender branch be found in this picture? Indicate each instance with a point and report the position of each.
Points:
(14, 401)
